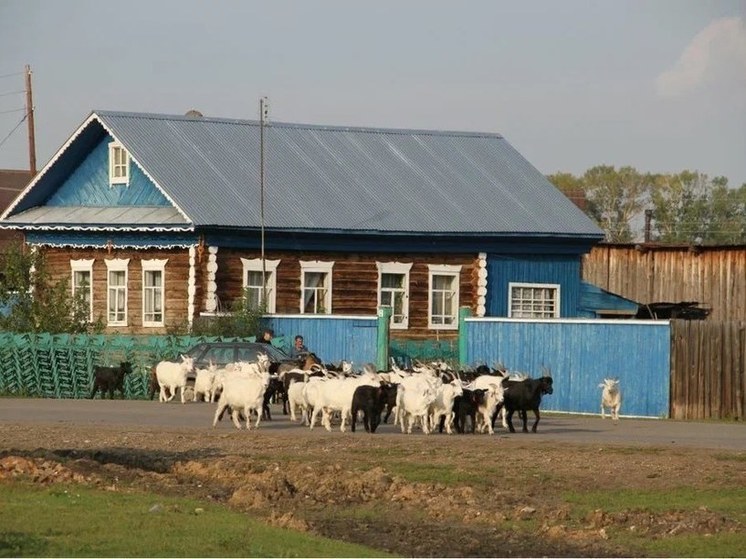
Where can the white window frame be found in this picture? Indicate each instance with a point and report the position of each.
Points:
(555, 286)
(398, 268)
(117, 265)
(270, 268)
(316, 266)
(83, 265)
(443, 270)
(154, 265)
(114, 147)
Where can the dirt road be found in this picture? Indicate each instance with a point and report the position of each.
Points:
(198, 416)
(504, 495)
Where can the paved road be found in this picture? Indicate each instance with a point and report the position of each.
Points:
(198, 416)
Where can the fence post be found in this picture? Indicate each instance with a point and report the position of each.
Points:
(463, 314)
(382, 341)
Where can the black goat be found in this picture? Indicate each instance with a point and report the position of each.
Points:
(390, 400)
(108, 379)
(275, 387)
(465, 406)
(371, 400)
(522, 396)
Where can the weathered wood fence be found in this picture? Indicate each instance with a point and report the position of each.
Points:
(712, 276)
(708, 369)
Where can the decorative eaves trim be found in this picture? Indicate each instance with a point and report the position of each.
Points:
(144, 229)
(117, 246)
(93, 116)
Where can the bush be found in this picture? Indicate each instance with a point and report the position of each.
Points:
(240, 321)
(32, 302)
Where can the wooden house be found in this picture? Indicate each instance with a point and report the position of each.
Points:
(159, 219)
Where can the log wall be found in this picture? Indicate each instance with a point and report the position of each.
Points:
(354, 284)
(175, 284)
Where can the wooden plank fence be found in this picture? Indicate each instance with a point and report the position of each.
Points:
(708, 369)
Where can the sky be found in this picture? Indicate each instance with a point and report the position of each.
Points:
(659, 85)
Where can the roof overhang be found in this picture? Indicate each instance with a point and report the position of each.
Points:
(88, 218)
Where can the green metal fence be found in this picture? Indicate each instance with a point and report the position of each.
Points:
(405, 351)
(61, 366)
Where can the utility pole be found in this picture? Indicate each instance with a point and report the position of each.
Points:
(30, 119)
(648, 219)
(263, 114)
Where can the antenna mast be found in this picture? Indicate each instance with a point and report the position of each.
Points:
(30, 119)
(263, 114)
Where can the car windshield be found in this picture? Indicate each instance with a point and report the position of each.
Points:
(249, 352)
(222, 353)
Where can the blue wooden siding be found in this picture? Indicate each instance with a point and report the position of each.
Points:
(503, 269)
(595, 301)
(88, 184)
(332, 338)
(580, 354)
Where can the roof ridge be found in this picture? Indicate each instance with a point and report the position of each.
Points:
(302, 126)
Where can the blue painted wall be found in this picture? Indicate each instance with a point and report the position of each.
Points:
(88, 184)
(558, 269)
(332, 338)
(580, 354)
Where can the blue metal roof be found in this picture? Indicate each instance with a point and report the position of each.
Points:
(334, 178)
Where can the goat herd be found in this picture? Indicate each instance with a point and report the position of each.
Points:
(428, 395)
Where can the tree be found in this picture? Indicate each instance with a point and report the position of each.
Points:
(34, 302)
(680, 207)
(616, 196)
(689, 207)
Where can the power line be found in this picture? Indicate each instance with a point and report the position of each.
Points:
(13, 74)
(11, 93)
(12, 111)
(14, 129)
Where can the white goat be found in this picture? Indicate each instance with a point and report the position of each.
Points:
(413, 400)
(336, 395)
(172, 376)
(203, 383)
(243, 392)
(443, 404)
(492, 397)
(611, 397)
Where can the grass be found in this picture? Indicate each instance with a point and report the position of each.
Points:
(74, 521)
(729, 502)
(444, 474)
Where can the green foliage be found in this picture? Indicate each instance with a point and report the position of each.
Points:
(34, 302)
(77, 521)
(616, 197)
(241, 320)
(687, 207)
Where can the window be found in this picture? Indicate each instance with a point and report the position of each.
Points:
(393, 291)
(116, 300)
(153, 276)
(254, 287)
(443, 297)
(316, 287)
(82, 283)
(119, 164)
(533, 300)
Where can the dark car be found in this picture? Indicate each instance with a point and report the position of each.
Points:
(222, 353)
